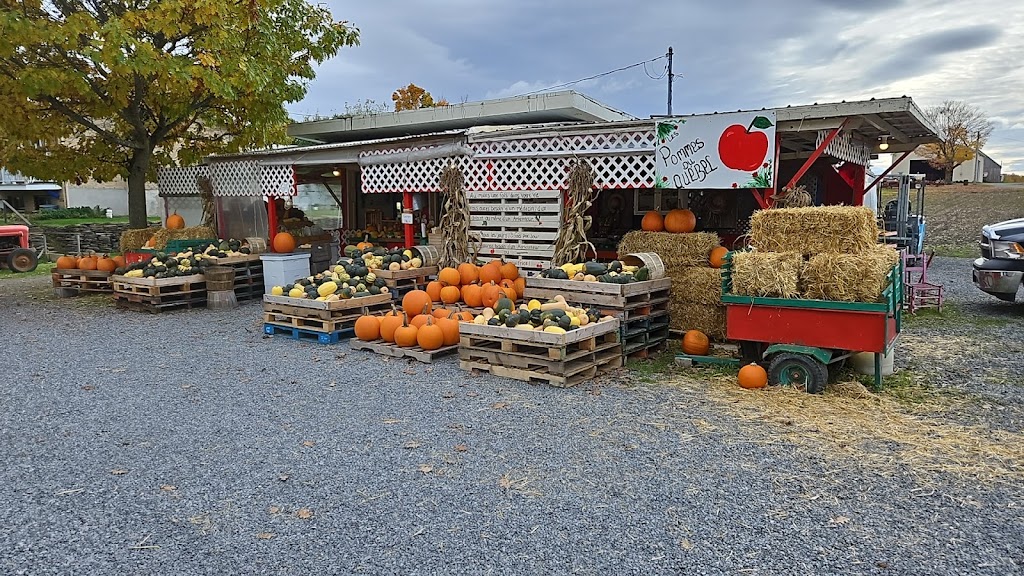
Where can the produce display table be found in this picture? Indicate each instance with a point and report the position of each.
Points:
(67, 282)
(325, 322)
(159, 294)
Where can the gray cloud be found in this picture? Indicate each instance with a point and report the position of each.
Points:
(923, 53)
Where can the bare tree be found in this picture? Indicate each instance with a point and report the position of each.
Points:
(963, 129)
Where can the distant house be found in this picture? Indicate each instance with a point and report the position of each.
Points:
(28, 194)
(981, 168)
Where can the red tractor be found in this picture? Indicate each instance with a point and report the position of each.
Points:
(14, 249)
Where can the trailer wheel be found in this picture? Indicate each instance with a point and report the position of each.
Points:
(798, 371)
(22, 260)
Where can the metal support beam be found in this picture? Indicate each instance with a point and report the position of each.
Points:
(887, 170)
(816, 154)
(876, 121)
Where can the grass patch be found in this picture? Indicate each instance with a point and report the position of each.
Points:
(76, 221)
(651, 369)
(44, 268)
(954, 251)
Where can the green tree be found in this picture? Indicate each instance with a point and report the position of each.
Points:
(105, 88)
(963, 129)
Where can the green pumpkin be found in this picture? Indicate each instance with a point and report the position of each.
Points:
(512, 321)
(494, 321)
(614, 266)
(642, 274)
(504, 304)
(595, 268)
(565, 322)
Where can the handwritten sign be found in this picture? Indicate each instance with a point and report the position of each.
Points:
(734, 150)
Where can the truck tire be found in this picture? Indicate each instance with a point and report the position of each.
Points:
(22, 260)
(798, 371)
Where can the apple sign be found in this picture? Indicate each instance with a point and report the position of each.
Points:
(741, 149)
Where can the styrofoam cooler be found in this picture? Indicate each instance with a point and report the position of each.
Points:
(283, 269)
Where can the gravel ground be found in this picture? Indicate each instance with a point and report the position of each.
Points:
(186, 443)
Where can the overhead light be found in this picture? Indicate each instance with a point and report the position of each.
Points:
(337, 172)
(885, 143)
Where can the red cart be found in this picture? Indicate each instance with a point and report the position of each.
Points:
(802, 341)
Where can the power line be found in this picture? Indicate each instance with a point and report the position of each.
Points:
(664, 72)
(594, 77)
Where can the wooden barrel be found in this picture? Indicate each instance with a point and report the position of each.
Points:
(257, 245)
(649, 259)
(429, 254)
(221, 299)
(219, 278)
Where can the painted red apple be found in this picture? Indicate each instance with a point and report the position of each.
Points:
(741, 149)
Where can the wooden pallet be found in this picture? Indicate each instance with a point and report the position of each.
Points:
(159, 294)
(303, 334)
(318, 316)
(74, 282)
(416, 353)
(561, 360)
(420, 274)
(520, 226)
(604, 295)
(644, 340)
(248, 275)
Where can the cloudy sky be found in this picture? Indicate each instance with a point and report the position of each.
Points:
(730, 54)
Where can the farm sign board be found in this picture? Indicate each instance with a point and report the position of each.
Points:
(735, 150)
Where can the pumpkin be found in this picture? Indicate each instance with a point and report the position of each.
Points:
(389, 324)
(753, 376)
(175, 222)
(67, 262)
(653, 222)
(284, 243)
(420, 319)
(367, 328)
(434, 290)
(416, 302)
(450, 328)
(449, 277)
(491, 272)
(717, 258)
(87, 263)
(680, 221)
(695, 342)
(106, 265)
(510, 293)
(520, 286)
(464, 315)
(491, 292)
(405, 335)
(472, 295)
(450, 294)
(364, 245)
(440, 312)
(506, 283)
(430, 336)
(120, 261)
(509, 271)
(468, 273)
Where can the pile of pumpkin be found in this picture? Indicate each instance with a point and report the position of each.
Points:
(380, 258)
(678, 221)
(346, 280)
(103, 263)
(167, 265)
(418, 323)
(554, 316)
(614, 272)
(477, 286)
(751, 376)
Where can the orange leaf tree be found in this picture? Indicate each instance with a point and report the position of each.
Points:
(412, 97)
(963, 129)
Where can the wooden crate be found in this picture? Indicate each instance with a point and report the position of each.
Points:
(401, 281)
(248, 275)
(74, 282)
(390, 349)
(317, 316)
(520, 226)
(561, 360)
(159, 294)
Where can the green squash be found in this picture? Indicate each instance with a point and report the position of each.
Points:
(494, 321)
(614, 266)
(362, 294)
(512, 321)
(504, 305)
(565, 322)
(558, 274)
(643, 274)
(595, 268)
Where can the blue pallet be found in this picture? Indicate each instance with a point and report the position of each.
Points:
(303, 334)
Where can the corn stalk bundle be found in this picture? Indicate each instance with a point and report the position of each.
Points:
(206, 194)
(793, 198)
(572, 236)
(455, 219)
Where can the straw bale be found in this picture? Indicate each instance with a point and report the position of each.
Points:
(163, 235)
(134, 239)
(710, 320)
(695, 285)
(766, 274)
(815, 229)
(693, 249)
(849, 277)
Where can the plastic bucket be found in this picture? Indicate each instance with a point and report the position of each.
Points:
(649, 259)
(864, 363)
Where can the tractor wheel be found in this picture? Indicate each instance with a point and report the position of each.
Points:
(798, 371)
(22, 260)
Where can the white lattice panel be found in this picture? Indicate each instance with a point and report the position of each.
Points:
(569, 144)
(247, 178)
(180, 180)
(846, 148)
(277, 180)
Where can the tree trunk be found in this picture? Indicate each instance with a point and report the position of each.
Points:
(949, 174)
(137, 170)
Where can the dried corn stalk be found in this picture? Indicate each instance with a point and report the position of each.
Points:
(454, 219)
(793, 198)
(571, 245)
(206, 193)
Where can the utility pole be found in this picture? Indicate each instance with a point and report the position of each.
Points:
(669, 80)
(977, 156)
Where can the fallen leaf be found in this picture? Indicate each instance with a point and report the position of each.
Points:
(118, 472)
(392, 421)
(840, 520)
(411, 444)
(409, 371)
(265, 535)
(283, 477)
(461, 447)
(471, 394)
(428, 370)
(304, 513)
(448, 395)
(309, 443)
(499, 405)
(87, 388)
(168, 487)
(594, 392)
(274, 510)
(505, 482)
(426, 468)
(686, 544)
(341, 355)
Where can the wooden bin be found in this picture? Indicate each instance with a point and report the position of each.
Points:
(430, 255)
(561, 360)
(326, 322)
(219, 278)
(651, 260)
(407, 279)
(159, 294)
(248, 275)
(67, 282)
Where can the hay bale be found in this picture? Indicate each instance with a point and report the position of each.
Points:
(814, 230)
(676, 250)
(710, 320)
(135, 238)
(849, 277)
(766, 274)
(163, 235)
(695, 285)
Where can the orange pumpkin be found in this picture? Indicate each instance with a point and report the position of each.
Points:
(87, 263)
(506, 283)
(509, 271)
(67, 262)
(472, 295)
(367, 328)
(388, 325)
(416, 302)
(520, 286)
(420, 319)
(405, 335)
(680, 221)
(717, 258)
(430, 336)
(463, 315)
(284, 243)
(434, 290)
(695, 342)
(440, 312)
(491, 292)
(120, 261)
(450, 294)
(449, 277)
(106, 265)
(753, 376)
(491, 272)
(510, 292)
(175, 222)
(364, 245)
(450, 328)
(653, 222)
(468, 273)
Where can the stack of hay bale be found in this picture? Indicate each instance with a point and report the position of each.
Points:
(695, 299)
(820, 252)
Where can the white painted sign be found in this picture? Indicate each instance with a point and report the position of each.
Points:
(511, 194)
(735, 150)
(407, 218)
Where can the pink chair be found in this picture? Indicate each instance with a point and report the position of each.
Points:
(918, 292)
